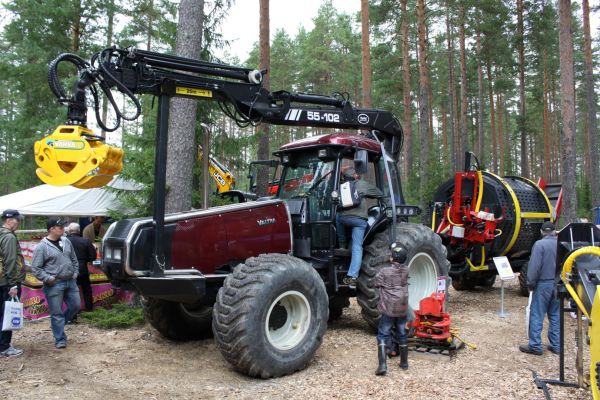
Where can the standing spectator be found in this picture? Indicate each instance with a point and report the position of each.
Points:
(55, 264)
(12, 273)
(86, 253)
(542, 280)
(95, 230)
(356, 218)
(392, 282)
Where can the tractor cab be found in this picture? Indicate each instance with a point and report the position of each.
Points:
(310, 185)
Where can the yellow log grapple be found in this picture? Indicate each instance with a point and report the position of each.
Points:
(73, 155)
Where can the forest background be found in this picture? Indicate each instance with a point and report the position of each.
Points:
(461, 75)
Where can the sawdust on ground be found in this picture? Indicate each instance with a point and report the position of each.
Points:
(139, 364)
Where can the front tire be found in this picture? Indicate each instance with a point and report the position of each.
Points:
(271, 315)
(178, 321)
(427, 261)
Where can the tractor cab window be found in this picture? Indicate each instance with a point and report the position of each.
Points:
(310, 177)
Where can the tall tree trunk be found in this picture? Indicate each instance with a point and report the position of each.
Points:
(262, 179)
(567, 103)
(182, 114)
(546, 159)
(591, 108)
(366, 54)
(522, 119)
(406, 98)
(493, 153)
(150, 25)
(110, 14)
(76, 33)
(463, 89)
(451, 92)
(423, 106)
(501, 136)
(480, 139)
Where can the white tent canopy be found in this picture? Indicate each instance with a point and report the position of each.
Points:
(67, 200)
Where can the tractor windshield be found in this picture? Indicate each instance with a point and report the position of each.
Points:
(308, 176)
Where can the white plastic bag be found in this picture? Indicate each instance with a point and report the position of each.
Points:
(527, 313)
(13, 315)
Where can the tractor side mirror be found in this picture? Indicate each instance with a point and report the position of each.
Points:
(361, 160)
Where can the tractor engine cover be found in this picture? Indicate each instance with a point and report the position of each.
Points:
(211, 241)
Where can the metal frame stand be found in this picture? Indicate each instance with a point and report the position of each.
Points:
(501, 313)
(542, 383)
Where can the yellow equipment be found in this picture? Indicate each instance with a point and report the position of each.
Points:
(579, 246)
(220, 173)
(73, 155)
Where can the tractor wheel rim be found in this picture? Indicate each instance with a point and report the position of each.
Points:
(293, 329)
(422, 278)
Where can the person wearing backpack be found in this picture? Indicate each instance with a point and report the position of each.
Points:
(356, 218)
(12, 273)
(392, 282)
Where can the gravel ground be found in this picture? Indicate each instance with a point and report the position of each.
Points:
(139, 364)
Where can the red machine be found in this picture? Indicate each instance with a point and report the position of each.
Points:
(431, 322)
(464, 220)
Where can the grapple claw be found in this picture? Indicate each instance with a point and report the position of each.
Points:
(68, 157)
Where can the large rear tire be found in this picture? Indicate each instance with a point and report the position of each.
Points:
(427, 261)
(523, 290)
(178, 321)
(271, 315)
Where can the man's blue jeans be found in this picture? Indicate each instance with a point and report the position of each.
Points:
(67, 292)
(384, 331)
(359, 226)
(544, 301)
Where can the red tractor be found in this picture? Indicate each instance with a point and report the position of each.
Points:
(262, 276)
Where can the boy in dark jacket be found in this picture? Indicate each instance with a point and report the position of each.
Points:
(392, 282)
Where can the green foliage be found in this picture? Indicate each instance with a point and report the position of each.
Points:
(324, 60)
(121, 315)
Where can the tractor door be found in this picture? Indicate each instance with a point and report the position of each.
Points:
(306, 185)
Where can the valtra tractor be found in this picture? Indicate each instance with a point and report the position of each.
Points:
(262, 276)
(480, 215)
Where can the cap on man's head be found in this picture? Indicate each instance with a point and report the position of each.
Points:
(54, 221)
(11, 214)
(548, 227)
(349, 173)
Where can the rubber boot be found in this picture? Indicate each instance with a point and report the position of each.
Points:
(404, 355)
(382, 368)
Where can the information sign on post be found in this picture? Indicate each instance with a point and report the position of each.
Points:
(506, 273)
(504, 269)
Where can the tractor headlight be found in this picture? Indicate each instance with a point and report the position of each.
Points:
(114, 254)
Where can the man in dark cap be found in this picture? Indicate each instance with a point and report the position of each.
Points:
(356, 218)
(12, 273)
(541, 280)
(55, 264)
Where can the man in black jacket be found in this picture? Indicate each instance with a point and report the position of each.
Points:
(86, 253)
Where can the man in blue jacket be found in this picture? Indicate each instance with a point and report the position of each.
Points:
(541, 280)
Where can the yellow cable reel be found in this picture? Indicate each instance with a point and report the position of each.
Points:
(72, 156)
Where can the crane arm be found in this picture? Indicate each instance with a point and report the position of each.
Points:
(238, 91)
